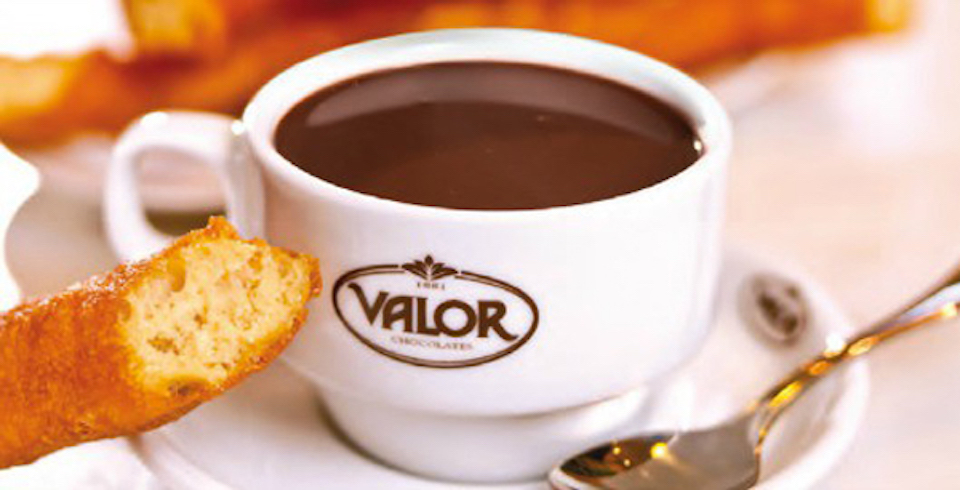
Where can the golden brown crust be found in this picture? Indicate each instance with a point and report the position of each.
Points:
(68, 376)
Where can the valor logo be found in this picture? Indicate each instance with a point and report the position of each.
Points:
(429, 314)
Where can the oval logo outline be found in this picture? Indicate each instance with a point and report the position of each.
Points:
(443, 272)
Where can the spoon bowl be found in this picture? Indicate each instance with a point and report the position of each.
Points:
(719, 458)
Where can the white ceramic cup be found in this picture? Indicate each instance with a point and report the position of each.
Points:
(511, 337)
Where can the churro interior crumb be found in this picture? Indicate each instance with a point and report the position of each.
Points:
(209, 306)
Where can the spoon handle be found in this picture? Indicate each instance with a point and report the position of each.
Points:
(940, 303)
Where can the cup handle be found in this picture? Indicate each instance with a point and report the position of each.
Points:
(211, 139)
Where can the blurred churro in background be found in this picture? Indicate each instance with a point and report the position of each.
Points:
(213, 54)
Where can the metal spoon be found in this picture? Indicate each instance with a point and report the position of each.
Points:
(727, 456)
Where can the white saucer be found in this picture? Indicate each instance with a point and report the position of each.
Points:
(271, 434)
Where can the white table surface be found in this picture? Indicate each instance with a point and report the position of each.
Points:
(851, 169)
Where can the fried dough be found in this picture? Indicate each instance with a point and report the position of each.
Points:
(146, 343)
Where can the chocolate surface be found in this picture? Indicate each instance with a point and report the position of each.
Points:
(486, 135)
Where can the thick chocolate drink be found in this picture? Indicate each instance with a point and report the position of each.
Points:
(487, 135)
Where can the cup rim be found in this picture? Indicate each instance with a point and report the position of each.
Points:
(276, 98)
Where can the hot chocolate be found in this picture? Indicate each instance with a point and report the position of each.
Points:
(487, 135)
